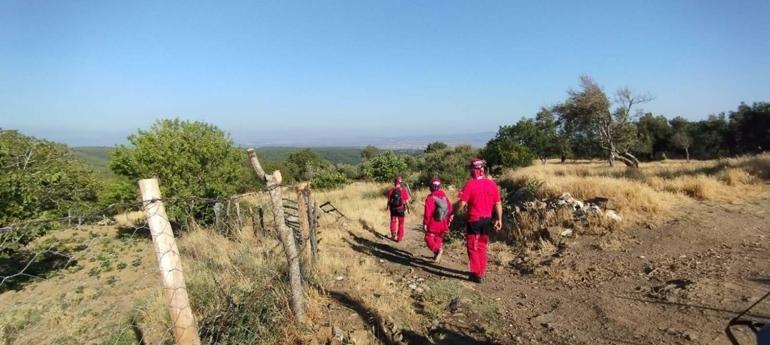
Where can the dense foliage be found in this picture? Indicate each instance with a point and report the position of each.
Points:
(384, 167)
(585, 125)
(448, 164)
(191, 160)
(39, 180)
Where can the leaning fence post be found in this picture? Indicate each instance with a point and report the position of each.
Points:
(303, 191)
(183, 324)
(273, 182)
(312, 211)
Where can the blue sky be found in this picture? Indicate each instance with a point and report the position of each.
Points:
(90, 72)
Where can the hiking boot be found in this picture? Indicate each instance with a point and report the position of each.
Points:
(476, 279)
(393, 237)
(437, 258)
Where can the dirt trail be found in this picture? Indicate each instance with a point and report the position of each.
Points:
(678, 283)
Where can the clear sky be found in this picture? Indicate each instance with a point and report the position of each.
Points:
(90, 72)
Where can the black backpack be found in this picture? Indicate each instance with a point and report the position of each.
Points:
(396, 201)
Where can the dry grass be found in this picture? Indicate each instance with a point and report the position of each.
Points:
(652, 192)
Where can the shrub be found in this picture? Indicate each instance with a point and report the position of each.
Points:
(384, 167)
(191, 159)
(329, 179)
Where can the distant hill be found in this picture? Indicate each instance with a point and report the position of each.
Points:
(96, 156)
(346, 155)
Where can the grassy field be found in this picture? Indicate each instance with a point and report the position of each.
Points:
(238, 288)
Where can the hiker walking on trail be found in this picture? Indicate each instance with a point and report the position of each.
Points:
(436, 219)
(482, 198)
(397, 199)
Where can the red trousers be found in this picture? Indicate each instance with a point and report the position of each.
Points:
(397, 224)
(434, 240)
(477, 253)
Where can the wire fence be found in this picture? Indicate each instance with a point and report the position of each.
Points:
(82, 253)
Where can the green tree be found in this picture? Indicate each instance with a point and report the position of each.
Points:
(369, 152)
(39, 180)
(304, 164)
(191, 159)
(587, 111)
(384, 167)
(710, 137)
(653, 133)
(436, 146)
(749, 128)
(329, 179)
(450, 165)
(506, 149)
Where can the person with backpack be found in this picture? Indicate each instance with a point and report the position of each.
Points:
(482, 198)
(436, 219)
(397, 199)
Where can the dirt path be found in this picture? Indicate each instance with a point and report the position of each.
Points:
(678, 283)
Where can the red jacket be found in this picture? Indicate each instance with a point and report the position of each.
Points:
(432, 224)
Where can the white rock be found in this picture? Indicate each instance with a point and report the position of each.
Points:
(566, 232)
(338, 278)
(612, 215)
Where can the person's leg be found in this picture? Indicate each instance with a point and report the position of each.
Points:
(401, 221)
(482, 248)
(430, 241)
(474, 259)
(393, 226)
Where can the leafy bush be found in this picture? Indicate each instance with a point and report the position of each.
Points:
(329, 179)
(384, 167)
(450, 165)
(190, 159)
(39, 180)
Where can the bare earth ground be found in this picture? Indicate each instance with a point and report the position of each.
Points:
(677, 283)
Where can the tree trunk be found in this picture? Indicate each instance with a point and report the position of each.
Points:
(630, 159)
(303, 192)
(687, 151)
(286, 235)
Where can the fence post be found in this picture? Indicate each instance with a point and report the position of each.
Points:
(312, 211)
(273, 182)
(304, 225)
(184, 329)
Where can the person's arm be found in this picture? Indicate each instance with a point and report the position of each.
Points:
(499, 216)
(428, 210)
(498, 210)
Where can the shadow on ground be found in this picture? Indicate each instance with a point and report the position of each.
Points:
(24, 267)
(440, 335)
(401, 257)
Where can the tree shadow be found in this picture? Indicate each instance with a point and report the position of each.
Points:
(368, 227)
(389, 337)
(131, 232)
(24, 267)
(395, 255)
(694, 306)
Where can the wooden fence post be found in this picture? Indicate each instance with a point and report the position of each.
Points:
(312, 212)
(286, 235)
(184, 329)
(303, 191)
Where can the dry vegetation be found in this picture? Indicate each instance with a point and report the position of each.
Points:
(238, 288)
(651, 193)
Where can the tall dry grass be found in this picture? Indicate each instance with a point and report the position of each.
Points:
(652, 192)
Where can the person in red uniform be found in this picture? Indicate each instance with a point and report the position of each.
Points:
(436, 219)
(397, 207)
(485, 212)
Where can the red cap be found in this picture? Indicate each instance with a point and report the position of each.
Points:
(398, 180)
(435, 182)
(477, 163)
